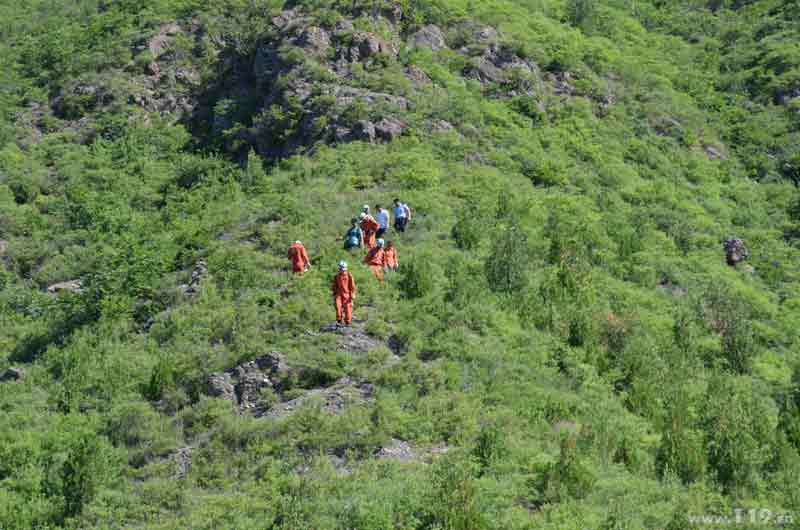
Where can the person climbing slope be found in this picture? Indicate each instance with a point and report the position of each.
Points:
(344, 292)
(402, 215)
(370, 227)
(374, 259)
(382, 216)
(299, 257)
(390, 257)
(354, 238)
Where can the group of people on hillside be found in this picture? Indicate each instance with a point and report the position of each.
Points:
(366, 232)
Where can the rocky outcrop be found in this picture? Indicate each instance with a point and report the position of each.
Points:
(366, 45)
(735, 251)
(12, 374)
(243, 385)
(71, 286)
(714, 152)
(402, 451)
(417, 76)
(314, 40)
(389, 129)
(183, 462)
(334, 399)
(199, 272)
(429, 36)
(500, 65)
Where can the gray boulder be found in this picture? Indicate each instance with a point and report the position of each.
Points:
(429, 36)
(71, 286)
(364, 130)
(735, 251)
(367, 45)
(389, 129)
(417, 76)
(314, 40)
(13, 374)
(485, 34)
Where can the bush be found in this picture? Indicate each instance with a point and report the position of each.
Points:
(569, 477)
(507, 265)
(417, 278)
(740, 431)
(468, 230)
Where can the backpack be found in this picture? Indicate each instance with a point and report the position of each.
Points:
(353, 238)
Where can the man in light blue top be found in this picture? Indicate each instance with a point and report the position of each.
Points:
(382, 216)
(402, 215)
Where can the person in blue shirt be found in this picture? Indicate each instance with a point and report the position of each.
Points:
(354, 238)
(382, 216)
(402, 215)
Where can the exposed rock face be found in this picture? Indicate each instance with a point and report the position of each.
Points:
(221, 386)
(735, 251)
(335, 398)
(497, 66)
(71, 286)
(367, 45)
(713, 152)
(243, 384)
(429, 36)
(417, 76)
(785, 97)
(485, 34)
(13, 374)
(3, 246)
(198, 274)
(183, 461)
(389, 129)
(402, 451)
(160, 43)
(315, 40)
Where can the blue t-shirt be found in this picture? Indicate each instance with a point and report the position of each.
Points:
(400, 211)
(382, 216)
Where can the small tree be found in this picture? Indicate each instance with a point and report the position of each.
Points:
(417, 279)
(740, 432)
(507, 264)
(580, 12)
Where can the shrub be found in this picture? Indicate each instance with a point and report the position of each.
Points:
(468, 230)
(507, 265)
(740, 430)
(569, 477)
(417, 278)
(454, 499)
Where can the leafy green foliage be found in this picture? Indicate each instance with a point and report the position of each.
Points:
(563, 329)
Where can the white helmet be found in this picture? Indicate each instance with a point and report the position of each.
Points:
(342, 265)
(362, 215)
(381, 243)
(365, 207)
(297, 243)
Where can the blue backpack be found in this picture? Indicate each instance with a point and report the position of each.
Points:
(353, 238)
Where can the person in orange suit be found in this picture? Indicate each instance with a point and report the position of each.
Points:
(344, 292)
(299, 258)
(390, 257)
(375, 259)
(370, 227)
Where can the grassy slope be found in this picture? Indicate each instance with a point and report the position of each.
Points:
(590, 339)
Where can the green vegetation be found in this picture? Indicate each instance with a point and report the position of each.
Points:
(572, 349)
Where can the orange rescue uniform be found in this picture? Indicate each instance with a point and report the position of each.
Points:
(390, 258)
(370, 227)
(344, 292)
(374, 259)
(298, 257)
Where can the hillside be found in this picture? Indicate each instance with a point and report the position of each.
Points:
(595, 324)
